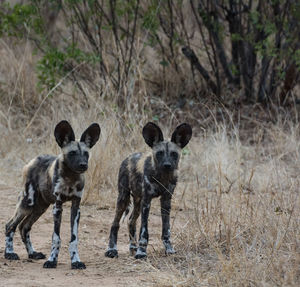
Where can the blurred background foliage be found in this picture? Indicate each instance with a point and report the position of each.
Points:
(230, 51)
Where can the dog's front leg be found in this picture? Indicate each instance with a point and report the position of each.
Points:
(144, 236)
(73, 249)
(57, 212)
(165, 202)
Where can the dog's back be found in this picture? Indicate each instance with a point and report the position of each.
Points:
(131, 173)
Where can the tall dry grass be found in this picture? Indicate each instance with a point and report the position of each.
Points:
(235, 216)
(241, 221)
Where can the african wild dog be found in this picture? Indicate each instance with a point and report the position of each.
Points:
(53, 180)
(145, 176)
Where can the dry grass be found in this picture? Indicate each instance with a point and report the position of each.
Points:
(235, 217)
(242, 221)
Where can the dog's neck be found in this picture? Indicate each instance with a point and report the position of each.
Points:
(68, 174)
(159, 176)
(166, 177)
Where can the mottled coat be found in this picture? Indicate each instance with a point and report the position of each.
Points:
(145, 176)
(53, 180)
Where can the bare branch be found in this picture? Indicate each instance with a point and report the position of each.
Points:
(190, 54)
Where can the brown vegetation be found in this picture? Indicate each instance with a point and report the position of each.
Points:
(236, 209)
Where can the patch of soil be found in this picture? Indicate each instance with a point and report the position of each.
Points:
(93, 237)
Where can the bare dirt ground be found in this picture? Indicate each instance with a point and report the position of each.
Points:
(94, 229)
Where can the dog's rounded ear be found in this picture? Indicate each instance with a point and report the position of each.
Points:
(91, 135)
(64, 133)
(152, 134)
(182, 135)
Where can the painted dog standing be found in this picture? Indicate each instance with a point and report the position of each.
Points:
(53, 180)
(145, 176)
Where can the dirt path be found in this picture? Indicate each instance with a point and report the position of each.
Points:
(93, 233)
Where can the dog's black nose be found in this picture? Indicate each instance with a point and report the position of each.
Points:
(83, 166)
(167, 166)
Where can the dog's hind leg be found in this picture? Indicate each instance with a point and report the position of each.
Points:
(144, 235)
(122, 203)
(25, 228)
(132, 225)
(10, 229)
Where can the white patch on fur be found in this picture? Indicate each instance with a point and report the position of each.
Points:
(9, 246)
(168, 246)
(31, 195)
(57, 189)
(55, 247)
(143, 240)
(28, 245)
(55, 209)
(112, 248)
(62, 188)
(73, 247)
(147, 181)
(75, 192)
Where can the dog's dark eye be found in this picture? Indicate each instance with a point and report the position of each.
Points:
(174, 155)
(72, 153)
(86, 154)
(159, 154)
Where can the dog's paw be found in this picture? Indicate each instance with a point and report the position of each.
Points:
(170, 251)
(12, 256)
(140, 254)
(168, 247)
(111, 253)
(78, 265)
(50, 264)
(37, 255)
(132, 249)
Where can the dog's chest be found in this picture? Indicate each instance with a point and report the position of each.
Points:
(64, 190)
(157, 187)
